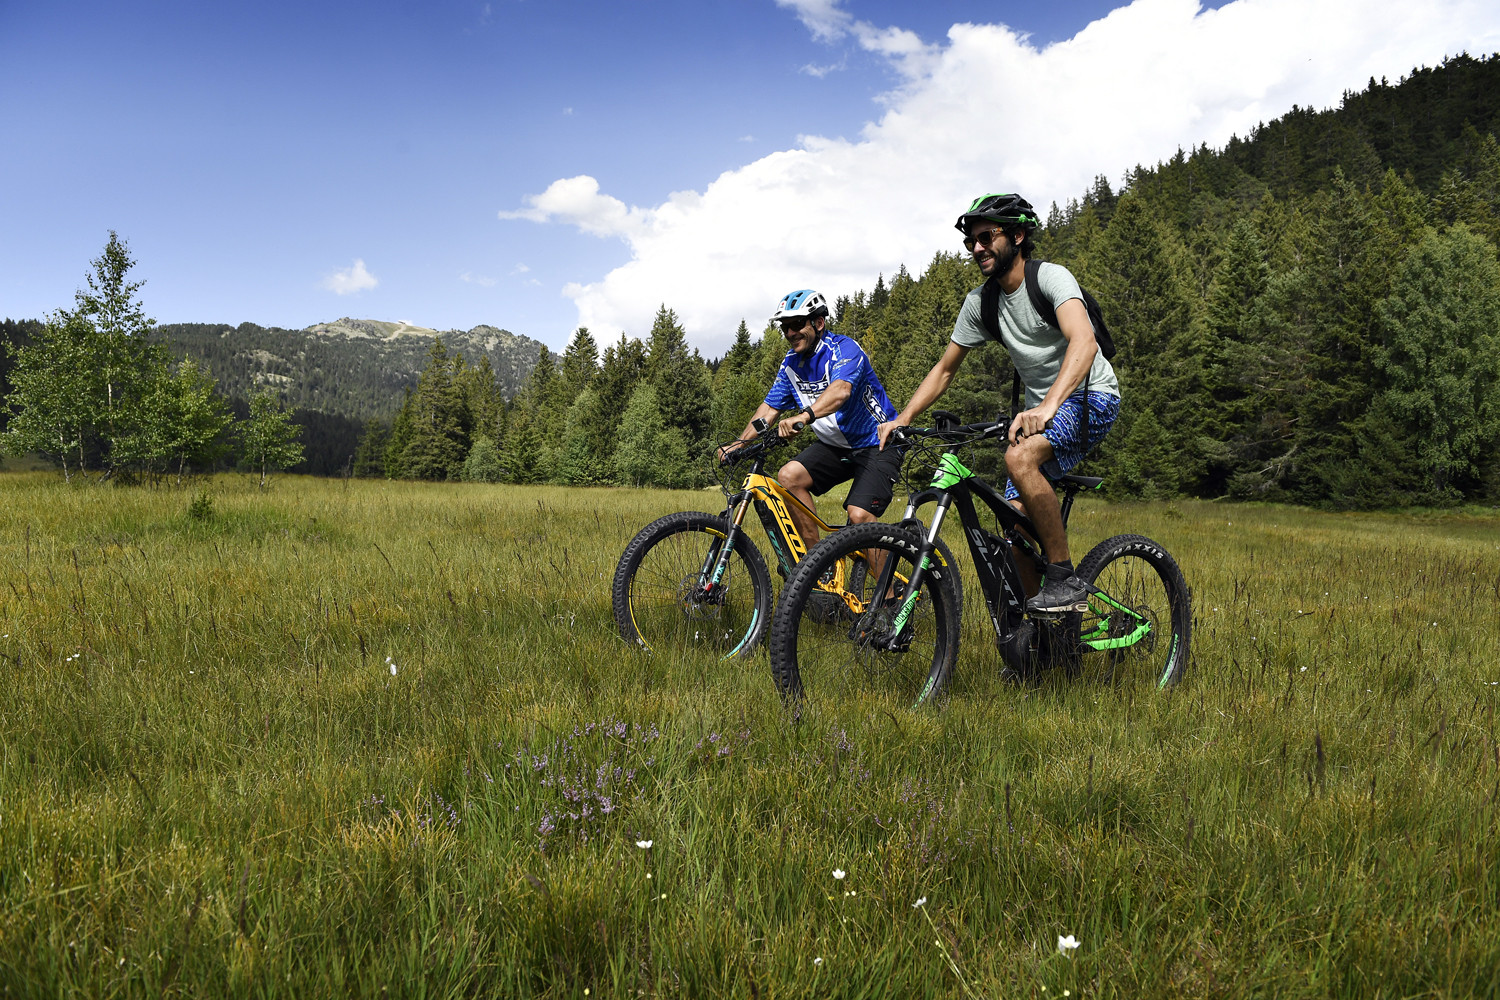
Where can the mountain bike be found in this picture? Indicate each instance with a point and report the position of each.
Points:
(1139, 617)
(695, 579)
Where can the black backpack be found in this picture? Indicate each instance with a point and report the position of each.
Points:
(989, 315)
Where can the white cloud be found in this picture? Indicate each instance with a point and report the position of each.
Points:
(350, 280)
(814, 70)
(577, 200)
(985, 111)
(483, 281)
(822, 17)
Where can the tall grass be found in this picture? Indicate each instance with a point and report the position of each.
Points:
(363, 737)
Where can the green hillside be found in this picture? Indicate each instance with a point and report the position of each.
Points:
(356, 368)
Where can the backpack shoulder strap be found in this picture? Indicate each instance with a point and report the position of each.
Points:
(1039, 302)
(989, 307)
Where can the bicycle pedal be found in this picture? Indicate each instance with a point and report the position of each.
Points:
(1053, 614)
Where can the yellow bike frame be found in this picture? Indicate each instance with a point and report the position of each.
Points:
(771, 501)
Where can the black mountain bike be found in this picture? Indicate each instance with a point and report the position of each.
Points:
(1139, 618)
(695, 579)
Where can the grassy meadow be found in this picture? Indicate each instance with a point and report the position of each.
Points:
(380, 738)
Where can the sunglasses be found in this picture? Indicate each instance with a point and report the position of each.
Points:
(983, 239)
(794, 325)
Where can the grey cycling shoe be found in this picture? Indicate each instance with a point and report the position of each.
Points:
(1061, 592)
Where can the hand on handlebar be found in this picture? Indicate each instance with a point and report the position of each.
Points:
(793, 425)
(890, 429)
(727, 450)
(1028, 422)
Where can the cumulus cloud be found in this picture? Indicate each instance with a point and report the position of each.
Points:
(482, 280)
(984, 111)
(576, 200)
(351, 279)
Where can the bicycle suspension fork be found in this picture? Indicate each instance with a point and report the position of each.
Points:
(919, 574)
(716, 563)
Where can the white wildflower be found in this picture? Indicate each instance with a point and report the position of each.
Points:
(839, 873)
(644, 845)
(1066, 944)
(818, 960)
(920, 902)
(393, 670)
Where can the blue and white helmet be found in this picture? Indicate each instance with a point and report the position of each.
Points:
(803, 302)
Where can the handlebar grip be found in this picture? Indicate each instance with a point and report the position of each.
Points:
(799, 425)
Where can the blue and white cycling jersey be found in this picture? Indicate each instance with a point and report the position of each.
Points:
(837, 358)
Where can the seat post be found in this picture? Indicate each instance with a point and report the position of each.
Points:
(1069, 492)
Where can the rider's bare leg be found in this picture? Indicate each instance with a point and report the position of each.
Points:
(1024, 460)
(797, 481)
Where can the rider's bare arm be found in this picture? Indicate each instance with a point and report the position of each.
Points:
(933, 386)
(764, 411)
(1073, 320)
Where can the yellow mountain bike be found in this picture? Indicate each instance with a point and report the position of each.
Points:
(695, 579)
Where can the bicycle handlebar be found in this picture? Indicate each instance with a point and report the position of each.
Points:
(759, 445)
(948, 429)
(955, 432)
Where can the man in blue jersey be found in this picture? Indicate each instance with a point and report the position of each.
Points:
(829, 378)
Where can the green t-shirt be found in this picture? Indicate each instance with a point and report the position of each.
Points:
(1036, 349)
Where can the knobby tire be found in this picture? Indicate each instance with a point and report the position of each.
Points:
(657, 603)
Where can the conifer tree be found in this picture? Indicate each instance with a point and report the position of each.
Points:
(576, 463)
(523, 457)
(401, 433)
(369, 455)
(1349, 271)
(1136, 275)
(736, 391)
(481, 397)
(580, 364)
(1439, 364)
(680, 379)
(622, 370)
(438, 430)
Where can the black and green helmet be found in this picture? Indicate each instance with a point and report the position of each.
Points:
(1006, 209)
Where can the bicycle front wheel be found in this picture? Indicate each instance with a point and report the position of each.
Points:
(1142, 623)
(835, 641)
(661, 600)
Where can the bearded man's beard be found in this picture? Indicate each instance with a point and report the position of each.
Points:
(1004, 255)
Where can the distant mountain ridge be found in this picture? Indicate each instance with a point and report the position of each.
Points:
(359, 368)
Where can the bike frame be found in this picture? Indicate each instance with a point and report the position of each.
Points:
(995, 556)
(771, 501)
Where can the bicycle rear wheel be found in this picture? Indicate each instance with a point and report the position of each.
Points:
(836, 642)
(1151, 635)
(661, 603)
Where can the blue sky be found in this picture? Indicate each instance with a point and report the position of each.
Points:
(535, 164)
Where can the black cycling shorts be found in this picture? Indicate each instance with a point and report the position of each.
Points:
(874, 473)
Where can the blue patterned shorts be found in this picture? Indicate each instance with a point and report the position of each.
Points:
(1066, 433)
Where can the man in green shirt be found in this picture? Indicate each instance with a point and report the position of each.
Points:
(1060, 367)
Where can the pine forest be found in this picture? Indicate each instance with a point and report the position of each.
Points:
(1310, 314)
